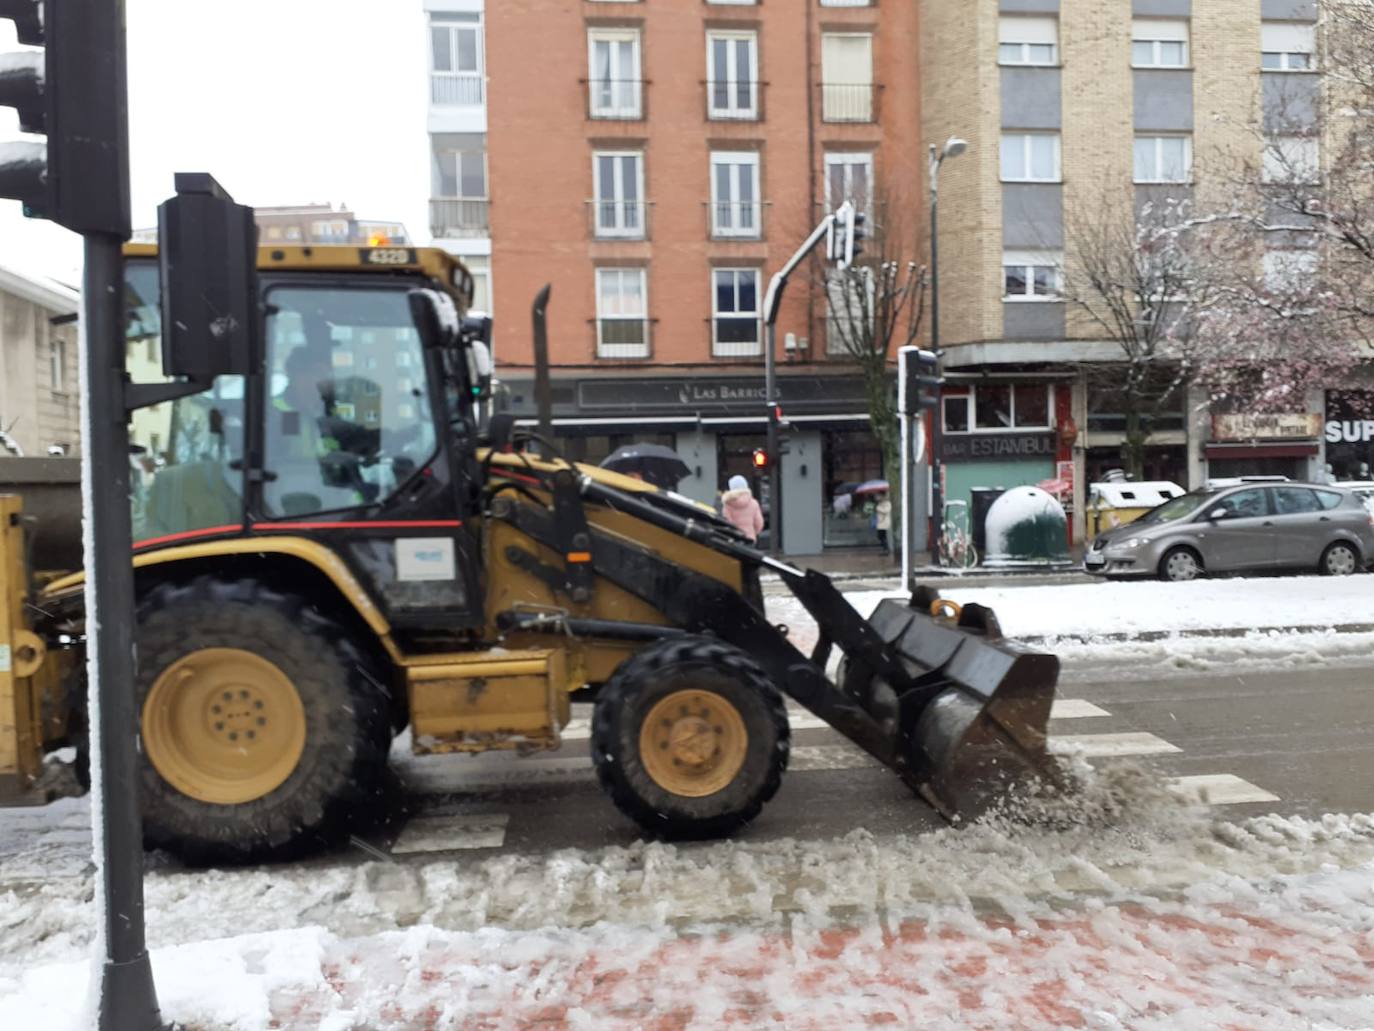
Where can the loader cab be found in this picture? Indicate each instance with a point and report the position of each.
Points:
(357, 432)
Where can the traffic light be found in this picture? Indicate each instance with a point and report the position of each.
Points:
(918, 380)
(845, 235)
(761, 462)
(75, 93)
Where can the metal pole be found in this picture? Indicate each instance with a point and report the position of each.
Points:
(937, 500)
(904, 423)
(127, 999)
(770, 393)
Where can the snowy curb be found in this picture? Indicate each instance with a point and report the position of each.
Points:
(1148, 636)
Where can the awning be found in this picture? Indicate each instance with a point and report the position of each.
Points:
(1281, 450)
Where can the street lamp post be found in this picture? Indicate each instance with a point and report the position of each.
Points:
(954, 146)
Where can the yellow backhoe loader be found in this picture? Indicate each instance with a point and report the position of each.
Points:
(341, 544)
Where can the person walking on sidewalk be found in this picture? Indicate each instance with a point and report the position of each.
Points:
(882, 520)
(739, 506)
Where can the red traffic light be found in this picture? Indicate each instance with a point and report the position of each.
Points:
(760, 458)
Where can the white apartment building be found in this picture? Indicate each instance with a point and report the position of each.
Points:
(459, 189)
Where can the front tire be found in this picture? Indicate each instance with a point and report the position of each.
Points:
(1179, 565)
(1340, 559)
(690, 739)
(263, 735)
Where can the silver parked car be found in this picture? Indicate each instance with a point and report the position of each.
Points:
(1246, 527)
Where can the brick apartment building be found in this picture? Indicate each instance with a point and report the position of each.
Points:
(656, 161)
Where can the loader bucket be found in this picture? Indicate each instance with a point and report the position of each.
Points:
(975, 730)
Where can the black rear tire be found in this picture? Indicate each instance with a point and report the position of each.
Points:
(645, 680)
(339, 776)
(1339, 559)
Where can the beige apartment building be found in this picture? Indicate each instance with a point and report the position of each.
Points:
(40, 398)
(656, 161)
(1064, 102)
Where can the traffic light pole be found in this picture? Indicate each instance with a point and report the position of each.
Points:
(127, 1000)
(770, 396)
(772, 303)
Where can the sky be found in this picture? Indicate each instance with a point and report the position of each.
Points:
(283, 101)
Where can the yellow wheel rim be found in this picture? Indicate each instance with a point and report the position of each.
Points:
(223, 725)
(693, 743)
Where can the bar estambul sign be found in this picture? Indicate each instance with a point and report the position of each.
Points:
(1267, 426)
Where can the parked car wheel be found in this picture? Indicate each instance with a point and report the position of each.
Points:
(1180, 565)
(1339, 560)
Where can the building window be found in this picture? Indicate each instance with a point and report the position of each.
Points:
(735, 313)
(990, 407)
(741, 3)
(336, 229)
(479, 267)
(614, 78)
(1027, 40)
(57, 364)
(846, 77)
(622, 324)
(1163, 159)
(456, 77)
(849, 177)
(1159, 43)
(619, 184)
(1291, 159)
(1030, 157)
(846, 3)
(735, 209)
(732, 73)
(1031, 275)
(1286, 47)
(850, 302)
(1289, 271)
(458, 207)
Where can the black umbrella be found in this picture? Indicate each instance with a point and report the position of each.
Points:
(659, 465)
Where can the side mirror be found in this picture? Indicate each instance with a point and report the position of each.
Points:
(475, 332)
(1218, 513)
(436, 317)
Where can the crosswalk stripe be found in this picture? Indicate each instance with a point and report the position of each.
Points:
(1075, 709)
(447, 833)
(1220, 789)
(1105, 745)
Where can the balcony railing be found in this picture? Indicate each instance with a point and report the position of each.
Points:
(457, 89)
(734, 220)
(849, 101)
(619, 219)
(458, 216)
(622, 337)
(615, 99)
(733, 101)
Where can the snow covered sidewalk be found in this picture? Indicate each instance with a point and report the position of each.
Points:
(1307, 615)
(1127, 909)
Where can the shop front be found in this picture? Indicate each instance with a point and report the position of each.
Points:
(1348, 433)
(999, 435)
(1264, 444)
(716, 423)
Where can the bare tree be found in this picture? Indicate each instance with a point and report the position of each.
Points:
(1132, 280)
(1294, 239)
(874, 307)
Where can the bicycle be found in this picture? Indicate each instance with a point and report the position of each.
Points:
(956, 543)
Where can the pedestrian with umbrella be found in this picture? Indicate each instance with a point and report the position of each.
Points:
(653, 463)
